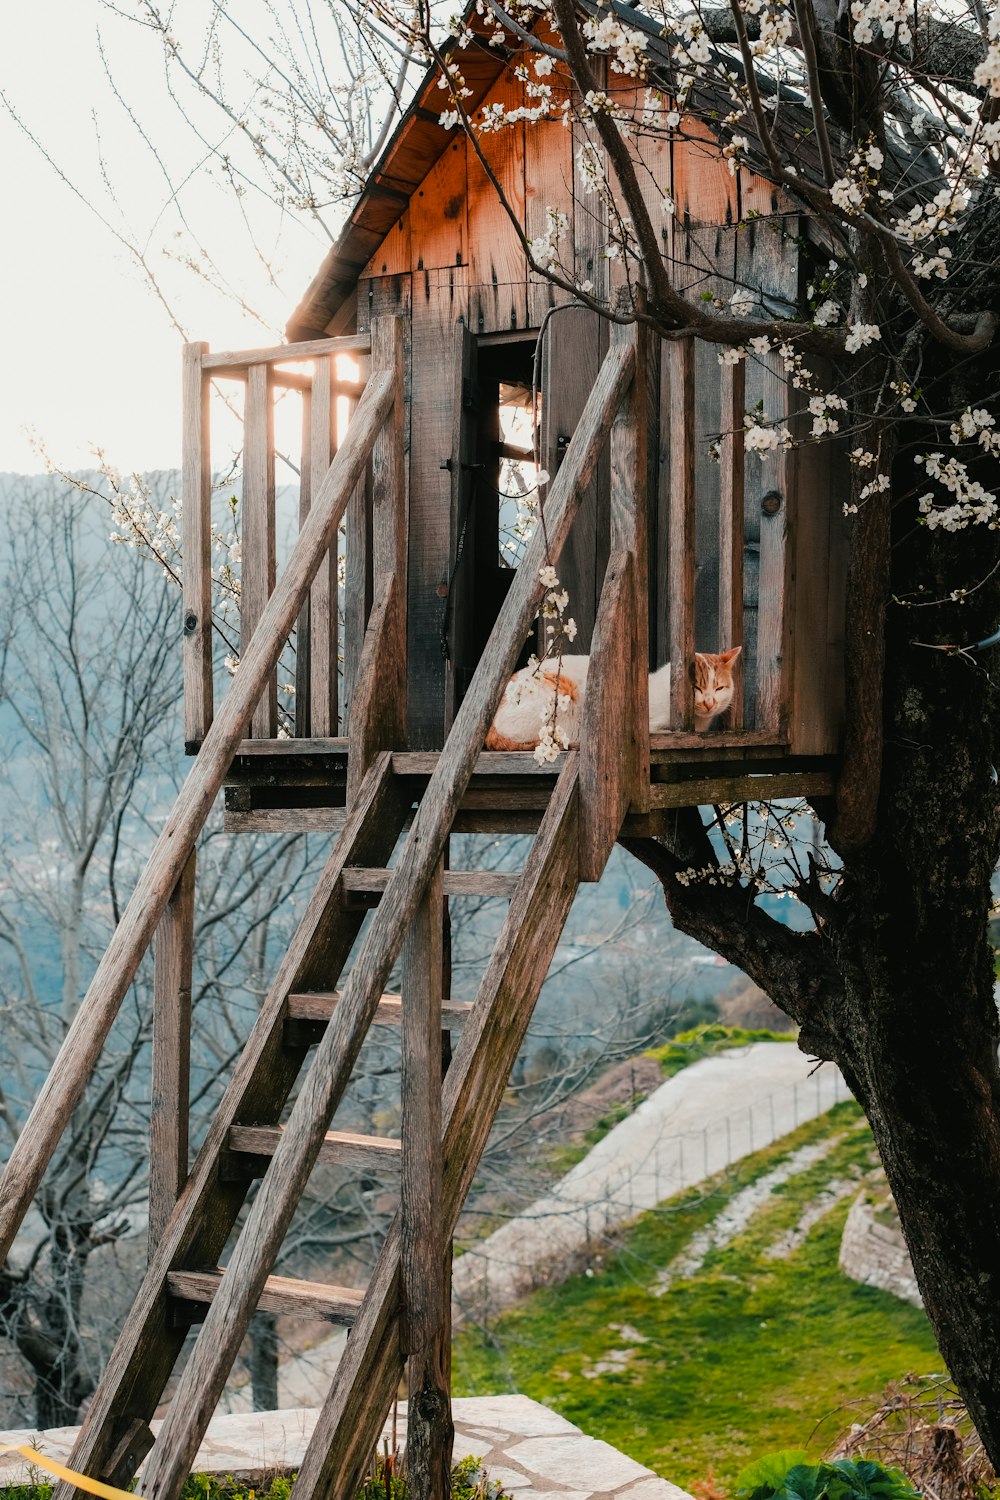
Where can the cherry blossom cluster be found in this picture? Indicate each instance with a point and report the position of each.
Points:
(820, 409)
(605, 33)
(978, 424)
(936, 218)
(775, 25)
(851, 192)
(558, 631)
(888, 18)
(763, 438)
(545, 247)
(972, 504)
(987, 74)
(738, 871)
(906, 394)
(138, 523)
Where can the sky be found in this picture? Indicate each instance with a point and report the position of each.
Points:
(90, 357)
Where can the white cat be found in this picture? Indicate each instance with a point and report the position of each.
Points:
(528, 701)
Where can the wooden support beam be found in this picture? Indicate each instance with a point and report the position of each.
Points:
(357, 584)
(378, 708)
(85, 1039)
(169, 1105)
(196, 491)
(775, 590)
(630, 533)
(324, 597)
(425, 1335)
(709, 791)
(681, 357)
(609, 742)
(731, 484)
(614, 738)
(258, 540)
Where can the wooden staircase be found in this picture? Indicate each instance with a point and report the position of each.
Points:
(404, 1310)
(403, 1313)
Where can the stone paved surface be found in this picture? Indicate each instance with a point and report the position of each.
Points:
(534, 1453)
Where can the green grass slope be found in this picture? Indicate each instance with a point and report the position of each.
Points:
(744, 1356)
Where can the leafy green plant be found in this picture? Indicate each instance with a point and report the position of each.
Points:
(469, 1481)
(789, 1475)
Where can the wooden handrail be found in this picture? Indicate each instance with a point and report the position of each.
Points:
(85, 1039)
(236, 360)
(278, 1197)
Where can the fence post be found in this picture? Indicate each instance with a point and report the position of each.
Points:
(196, 500)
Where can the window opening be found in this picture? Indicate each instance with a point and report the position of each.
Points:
(517, 488)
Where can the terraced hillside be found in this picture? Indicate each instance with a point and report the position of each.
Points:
(721, 1328)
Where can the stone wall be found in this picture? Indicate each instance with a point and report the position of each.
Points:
(874, 1252)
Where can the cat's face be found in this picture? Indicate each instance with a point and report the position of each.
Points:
(712, 673)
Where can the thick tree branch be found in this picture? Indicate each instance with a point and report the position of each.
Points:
(796, 969)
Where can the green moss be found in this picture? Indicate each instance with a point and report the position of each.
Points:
(704, 1041)
(743, 1358)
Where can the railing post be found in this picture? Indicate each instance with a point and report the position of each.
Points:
(732, 459)
(614, 740)
(378, 708)
(681, 567)
(258, 549)
(196, 493)
(630, 533)
(169, 1107)
(324, 602)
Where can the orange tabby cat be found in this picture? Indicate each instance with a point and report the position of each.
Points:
(531, 693)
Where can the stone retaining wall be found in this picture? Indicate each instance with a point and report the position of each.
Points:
(875, 1253)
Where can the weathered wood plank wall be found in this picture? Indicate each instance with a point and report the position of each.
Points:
(458, 254)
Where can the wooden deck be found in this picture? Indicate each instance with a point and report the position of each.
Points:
(300, 786)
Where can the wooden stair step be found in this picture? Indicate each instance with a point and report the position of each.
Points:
(281, 1294)
(289, 747)
(370, 881)
(341, 1148)
(318, 1005)
(489, 763)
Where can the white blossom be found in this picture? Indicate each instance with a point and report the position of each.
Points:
(859, 335)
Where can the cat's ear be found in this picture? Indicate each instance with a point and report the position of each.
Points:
(728, 657)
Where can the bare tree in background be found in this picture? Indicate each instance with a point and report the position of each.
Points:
(89, 685)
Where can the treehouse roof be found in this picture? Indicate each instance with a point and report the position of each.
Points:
(419, 141)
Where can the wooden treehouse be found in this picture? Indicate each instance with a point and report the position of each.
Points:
(409, 606)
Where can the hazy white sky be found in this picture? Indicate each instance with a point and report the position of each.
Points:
(89, 356)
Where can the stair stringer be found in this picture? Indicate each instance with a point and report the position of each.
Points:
(368, 1375)
(146, 1351)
